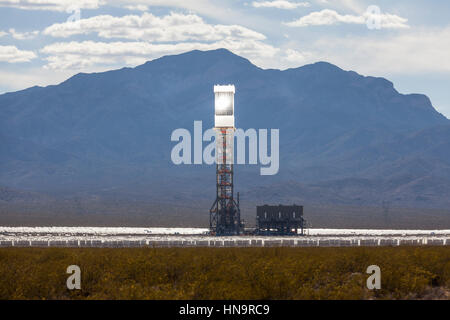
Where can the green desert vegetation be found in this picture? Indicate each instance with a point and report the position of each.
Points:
(225, 273)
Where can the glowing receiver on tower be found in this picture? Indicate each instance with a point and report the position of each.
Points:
(224, 106)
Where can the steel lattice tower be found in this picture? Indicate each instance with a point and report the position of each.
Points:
(225, 217)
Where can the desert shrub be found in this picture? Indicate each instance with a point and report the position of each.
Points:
(225, 273)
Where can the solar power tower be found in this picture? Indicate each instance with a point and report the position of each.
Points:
(224, 215)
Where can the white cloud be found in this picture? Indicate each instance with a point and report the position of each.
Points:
(356, 6)
(325, 17)
(151, 37)
(51, 5)
(137, 7)
(280, 4)
(412, 52)
(19, 35)
(296, 57)
(22, 78)
(13, 55)
(225, 12)
(331, 17)
(80, 55)
(23, 35)
(169, 28)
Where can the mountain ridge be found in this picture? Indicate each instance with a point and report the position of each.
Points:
(112, 129)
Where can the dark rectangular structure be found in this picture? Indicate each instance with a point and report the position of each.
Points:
(279, 220)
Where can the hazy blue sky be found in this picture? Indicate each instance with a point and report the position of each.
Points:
(407, 41)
